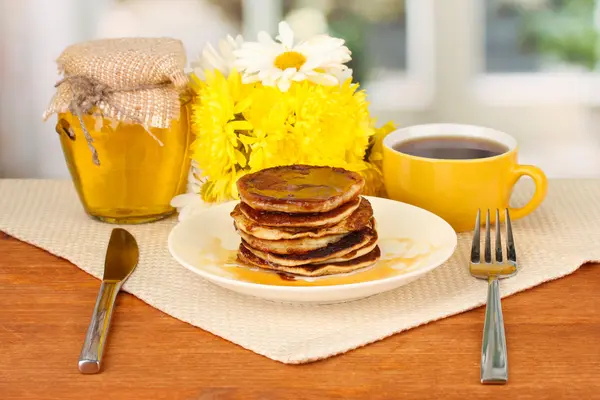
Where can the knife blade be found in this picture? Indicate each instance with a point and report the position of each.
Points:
(122, 255)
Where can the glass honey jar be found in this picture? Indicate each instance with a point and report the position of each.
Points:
(137, 176)
(123, 123)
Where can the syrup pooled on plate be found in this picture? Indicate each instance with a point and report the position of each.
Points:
(391, 264)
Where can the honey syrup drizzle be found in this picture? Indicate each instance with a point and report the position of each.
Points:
(300, 184)
(390, 264)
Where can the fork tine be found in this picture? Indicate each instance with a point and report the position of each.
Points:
(475, 257)
(498, 238)
(488, 244)
(511, 253)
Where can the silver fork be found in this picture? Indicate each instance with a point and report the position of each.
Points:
(494, 362)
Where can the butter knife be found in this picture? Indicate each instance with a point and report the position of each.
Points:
(122, 257)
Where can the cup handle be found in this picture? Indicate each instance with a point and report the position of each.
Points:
(541, 188)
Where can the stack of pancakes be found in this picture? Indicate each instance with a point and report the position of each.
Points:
(305, 220)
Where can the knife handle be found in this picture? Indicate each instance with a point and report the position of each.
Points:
(95, 339)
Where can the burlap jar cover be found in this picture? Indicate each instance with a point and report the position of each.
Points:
(136, 80)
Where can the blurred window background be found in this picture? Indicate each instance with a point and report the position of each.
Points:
(527, 67)
(540, 35)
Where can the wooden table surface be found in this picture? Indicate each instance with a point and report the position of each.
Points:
(553, 334)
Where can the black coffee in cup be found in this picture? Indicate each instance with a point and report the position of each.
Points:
(451, 147)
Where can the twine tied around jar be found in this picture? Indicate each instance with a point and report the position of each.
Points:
(89, 93)
(133, 80)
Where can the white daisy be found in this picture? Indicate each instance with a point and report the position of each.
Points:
(188, 204)
(194, 181)
(277, 63)
(222, 59)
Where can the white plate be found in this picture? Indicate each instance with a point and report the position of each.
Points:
(413, 242)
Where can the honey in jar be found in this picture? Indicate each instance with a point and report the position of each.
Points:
(123, 123)
(137, 177)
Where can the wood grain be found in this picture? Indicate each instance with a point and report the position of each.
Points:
(45, 305)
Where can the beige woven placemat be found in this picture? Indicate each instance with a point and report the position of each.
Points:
(554, 241)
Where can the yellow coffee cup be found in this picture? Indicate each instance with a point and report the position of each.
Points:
(455, 189)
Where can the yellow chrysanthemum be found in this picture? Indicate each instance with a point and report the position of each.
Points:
(374, 174)
(243, 128)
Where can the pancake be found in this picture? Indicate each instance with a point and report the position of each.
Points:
(245, 256)
(296, 246)
(360, 218)
(292, 246)
(304, 220)
(299, 188)
(347, 244)
(367, 248)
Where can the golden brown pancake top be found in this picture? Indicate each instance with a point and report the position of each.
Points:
(299, 188)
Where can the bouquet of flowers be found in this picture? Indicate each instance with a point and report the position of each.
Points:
(275, 102)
